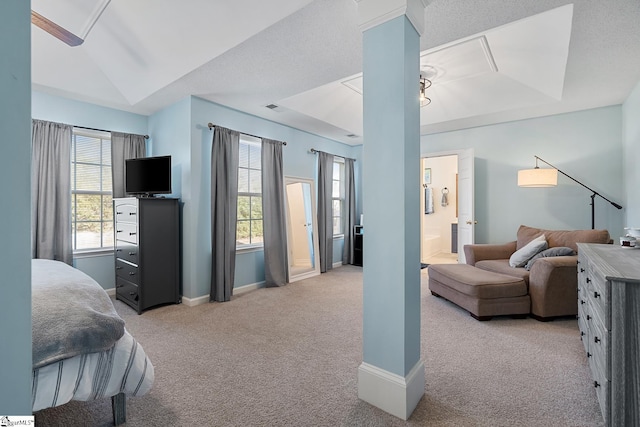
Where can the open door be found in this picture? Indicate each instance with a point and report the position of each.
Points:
(302, 241)
(466, 220)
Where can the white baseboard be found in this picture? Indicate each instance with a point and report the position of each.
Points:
(192, 302)
(337, 264)
(246, 288)
(390, 392)
(111, 292)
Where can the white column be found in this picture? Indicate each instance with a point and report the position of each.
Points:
(391, 375)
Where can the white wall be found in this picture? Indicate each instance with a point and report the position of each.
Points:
(631, 154)
(438, 223)
(586, 144)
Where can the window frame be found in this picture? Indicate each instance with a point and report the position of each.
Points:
(341, 197)
(249, 247)
(85, 252)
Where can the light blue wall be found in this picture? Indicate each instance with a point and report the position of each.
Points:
(57, 109)
(631, 156)
(586, 145)
(391, 300)
(181, 131)
(15, 186)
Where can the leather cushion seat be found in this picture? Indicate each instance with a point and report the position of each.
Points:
(476, 282)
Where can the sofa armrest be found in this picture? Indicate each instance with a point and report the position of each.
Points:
(553, 286)
(481, 252)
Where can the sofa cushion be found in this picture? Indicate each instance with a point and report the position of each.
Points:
(520, 257)
(567, 238)
(475, 282)
(557, 251)
(502, 266)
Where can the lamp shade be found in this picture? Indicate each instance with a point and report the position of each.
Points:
(537, 177)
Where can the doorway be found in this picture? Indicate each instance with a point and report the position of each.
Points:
(302, 243)
(447, 192)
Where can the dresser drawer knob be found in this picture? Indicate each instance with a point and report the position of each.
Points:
(588, 354)
(582, 301)
(588, 280)
(131, 273)
(596, 384)
(596, 295)
(581, 270)
(596, 340)
(589, 317)
(118, 268)
(581, 333)
(132, 213)
(133, 233)
(118, 231)
(118, 213)
(132, 293)
(131, 253)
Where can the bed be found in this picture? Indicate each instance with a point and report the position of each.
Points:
(81, 349)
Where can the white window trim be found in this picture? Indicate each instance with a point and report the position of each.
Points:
(104, 250)
(251, 247)
(338, 159)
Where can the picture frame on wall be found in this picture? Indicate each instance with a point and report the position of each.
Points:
(427, 175)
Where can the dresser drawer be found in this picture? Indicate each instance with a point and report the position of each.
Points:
(126, 211)
(599, 297)
(127, 290)
(127, 252)
(127, 271)
(127, 232)
(598, 347)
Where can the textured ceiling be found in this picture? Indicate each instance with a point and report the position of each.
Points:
(250, 53)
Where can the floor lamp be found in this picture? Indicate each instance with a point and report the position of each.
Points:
(549, 178)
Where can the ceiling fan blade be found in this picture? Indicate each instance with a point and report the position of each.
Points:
(55, 30)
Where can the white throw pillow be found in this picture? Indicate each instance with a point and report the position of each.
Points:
(524, 254)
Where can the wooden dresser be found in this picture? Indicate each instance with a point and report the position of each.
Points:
(147, 251)
(609, 322)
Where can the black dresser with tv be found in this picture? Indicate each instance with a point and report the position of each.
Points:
(147, 251)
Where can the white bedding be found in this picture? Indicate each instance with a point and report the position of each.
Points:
(81, 349)
(123, 368)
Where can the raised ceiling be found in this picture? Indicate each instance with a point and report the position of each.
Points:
(489, 60)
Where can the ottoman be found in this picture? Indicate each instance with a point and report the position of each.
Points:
(482, 293)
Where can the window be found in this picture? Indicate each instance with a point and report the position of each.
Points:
(337, 196)
(91, 192)
(249, 222)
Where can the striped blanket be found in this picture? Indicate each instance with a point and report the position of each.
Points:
(124, 368)
(81, 349)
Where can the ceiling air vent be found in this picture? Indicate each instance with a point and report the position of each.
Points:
(352, 135)
(273, 107)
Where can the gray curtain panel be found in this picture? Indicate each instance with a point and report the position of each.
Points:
(224, 204)
(349, 210)
(325, 217)
(51, 191)
(124, 146)
(273, 215)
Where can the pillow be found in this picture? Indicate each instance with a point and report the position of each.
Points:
(524, 254)
(557, 251)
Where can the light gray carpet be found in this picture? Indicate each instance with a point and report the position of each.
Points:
(289, 357)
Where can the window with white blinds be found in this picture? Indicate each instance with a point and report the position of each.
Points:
(249, 222)
(337, 196)
(91, 190)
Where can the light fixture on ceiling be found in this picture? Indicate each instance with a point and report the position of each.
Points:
(537, 177)
(425, 84)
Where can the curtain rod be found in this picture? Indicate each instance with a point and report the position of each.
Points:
(102, 130)
(314, 151)
(211, 126)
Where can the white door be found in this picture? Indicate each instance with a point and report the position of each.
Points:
(466, 220)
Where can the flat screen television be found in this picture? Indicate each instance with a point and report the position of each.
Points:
(148, 175)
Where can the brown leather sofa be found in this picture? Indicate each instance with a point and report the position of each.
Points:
(552, 282)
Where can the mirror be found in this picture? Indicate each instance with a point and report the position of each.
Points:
(301, 224)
